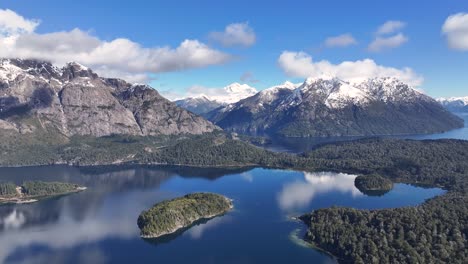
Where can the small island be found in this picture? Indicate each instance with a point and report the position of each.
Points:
(32, 191)
(170, 216)
(373, 184)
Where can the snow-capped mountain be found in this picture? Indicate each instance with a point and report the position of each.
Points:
(333, 107)
(455, 104)
(215, 98)
(199, 105)
(38, 97)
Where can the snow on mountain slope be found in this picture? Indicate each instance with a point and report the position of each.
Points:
(73, 100)
(330, 106)
(462, 101)
(214, 98)
(455, 104)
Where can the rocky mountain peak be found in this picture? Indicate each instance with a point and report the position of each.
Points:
(333, 107)
(76, 101)
(73, 70)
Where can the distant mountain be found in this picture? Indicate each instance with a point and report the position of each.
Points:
(332, 107)
(455, 104)
(203, 104)
(73, 100)
(199, 105)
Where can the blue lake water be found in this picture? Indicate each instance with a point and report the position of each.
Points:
(298, 145)
(99, 224)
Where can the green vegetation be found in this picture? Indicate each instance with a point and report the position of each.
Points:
(39, 188)
(434, 232)
(169, 216)
(7, 189)
(30, 191)
(373, 184)
(442, 222)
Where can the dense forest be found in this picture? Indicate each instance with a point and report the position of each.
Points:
(372, 182)
(434, 232)
(7, 189)
(169, 216)
(442, 222)
(39, 188)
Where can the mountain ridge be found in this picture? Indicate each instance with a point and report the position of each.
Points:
(74, 100)
(323, 107)
(204, 103)
(455, 104)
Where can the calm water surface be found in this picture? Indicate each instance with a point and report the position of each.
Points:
(99, 224)
(298, 145)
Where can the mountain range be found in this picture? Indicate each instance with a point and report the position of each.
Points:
(204, 103)
(73, 100)
(455, 104)
(322, 107)
(38, 97)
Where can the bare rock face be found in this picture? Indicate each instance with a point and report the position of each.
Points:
(157, 115)
(74, 100)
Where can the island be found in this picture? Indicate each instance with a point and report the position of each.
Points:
(33, 191)
(169, 216)
(432, 232)
(373, 184)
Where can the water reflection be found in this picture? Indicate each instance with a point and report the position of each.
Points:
(300, 145)
(99, 224)
(299, 194)
(196, 232)
(65, 222)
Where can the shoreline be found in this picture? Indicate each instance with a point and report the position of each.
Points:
(178, 228)
(35, 198)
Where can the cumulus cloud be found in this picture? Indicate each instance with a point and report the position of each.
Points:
(236, 34)
(455, 29)
(119, 56)
(299, 194)
(12, 23)
(382, 43)
(343, 40)
(300, 64)
(391, 26)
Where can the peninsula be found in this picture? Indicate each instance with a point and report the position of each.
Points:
(32, 191)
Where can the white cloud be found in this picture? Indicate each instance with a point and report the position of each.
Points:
(382, 43)
(455, 29)
(343, 40)
(390, 27)
(12, 23)
(299, 194)
(236, 34)
(120, 56)
(300, 64)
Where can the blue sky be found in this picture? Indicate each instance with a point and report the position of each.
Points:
(295, 26)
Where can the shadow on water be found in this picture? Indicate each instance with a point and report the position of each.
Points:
(170, 237)
(209, 173)
(376, 193)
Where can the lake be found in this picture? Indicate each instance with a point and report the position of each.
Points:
(299, 145)
(99, 224)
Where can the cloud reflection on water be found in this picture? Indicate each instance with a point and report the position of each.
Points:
(301, 193)
(196, 232)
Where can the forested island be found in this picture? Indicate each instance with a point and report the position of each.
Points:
(433, 232)
(32, 191)
(373, 184)
(442, 222)
(169, 216)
